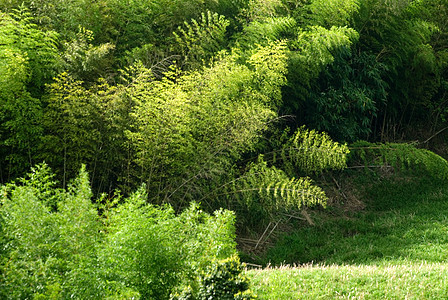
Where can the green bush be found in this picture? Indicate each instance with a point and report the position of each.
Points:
(55, 245)
(50, 239)
(152, 250)
(222, 280)
(399, 156)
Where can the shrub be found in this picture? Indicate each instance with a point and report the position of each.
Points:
(50, 238)
(400, 156)
(222, 280)
(154, 251)
(55, 245)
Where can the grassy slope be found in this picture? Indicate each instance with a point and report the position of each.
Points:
(396, 248)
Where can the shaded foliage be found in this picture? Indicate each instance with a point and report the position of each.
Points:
(401, 157)
(347, 96)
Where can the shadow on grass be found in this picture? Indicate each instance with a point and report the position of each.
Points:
(405, 220)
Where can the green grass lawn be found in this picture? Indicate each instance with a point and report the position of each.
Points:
(396, 248)
(394, 281)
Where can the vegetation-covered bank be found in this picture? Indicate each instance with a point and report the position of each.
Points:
(394, 248)
(241, 107)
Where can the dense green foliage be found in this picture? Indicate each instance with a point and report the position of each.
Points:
(224, 280)
(28, 58)
(236, 104)
(55, 244)
(81, 81)
(399, 156)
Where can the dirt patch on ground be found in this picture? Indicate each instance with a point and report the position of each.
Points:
(344, 197)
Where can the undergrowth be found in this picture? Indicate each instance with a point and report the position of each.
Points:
(404, 218)
(393, 246)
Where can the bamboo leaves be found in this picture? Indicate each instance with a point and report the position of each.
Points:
(191, 128)
(312, 152)
(273, 190)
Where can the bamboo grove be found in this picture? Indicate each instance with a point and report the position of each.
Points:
(229, 104)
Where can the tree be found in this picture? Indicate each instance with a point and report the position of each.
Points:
(400, 40)
(189, 130)
(28, 59)
(86, 126)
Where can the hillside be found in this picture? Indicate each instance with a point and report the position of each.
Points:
(395, 248)
(148, 146)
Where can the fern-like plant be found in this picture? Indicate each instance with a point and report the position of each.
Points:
(329, 13)
(310, 151)
(272, 190)
(264, 191)
(401, 156)
(263, 31)
(201, 39)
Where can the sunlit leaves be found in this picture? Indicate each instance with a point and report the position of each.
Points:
(272, 190)
(193, 127)
(198, 41)
(313, 152)
(85, 126)
(270, 63)
(314, 47)
(28, 58)
(48, 249)
(38, 48)
(311, 51)
(152, 250)
(401, 156)
(135, 249)
(328, 13)
(267, 30)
